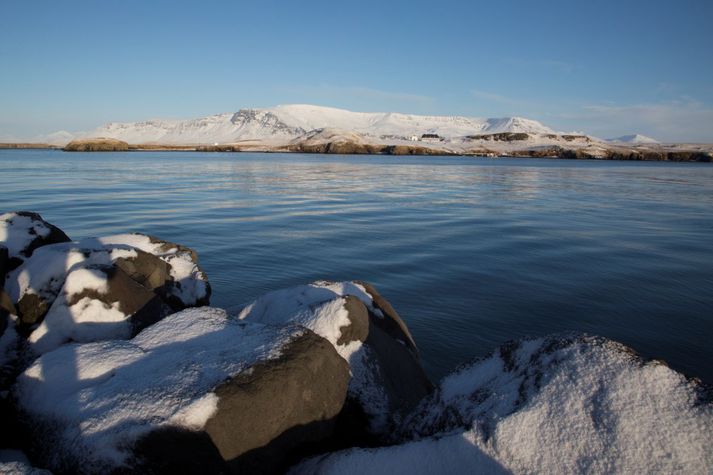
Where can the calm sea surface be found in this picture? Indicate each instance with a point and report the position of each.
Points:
(471, 252)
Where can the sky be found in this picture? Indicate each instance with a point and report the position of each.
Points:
(606, 68)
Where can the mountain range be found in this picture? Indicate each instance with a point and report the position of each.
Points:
(316, 129)
(284, 123)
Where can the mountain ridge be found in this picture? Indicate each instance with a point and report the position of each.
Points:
(284, 123)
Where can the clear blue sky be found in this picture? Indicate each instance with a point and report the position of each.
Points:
(606, 67)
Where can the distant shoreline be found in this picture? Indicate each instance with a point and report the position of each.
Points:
(620, 153)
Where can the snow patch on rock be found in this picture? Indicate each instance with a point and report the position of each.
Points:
(320, 307)
(70, 278)
(44, 274)
(94, 400)
(192, 282)
(18, 231)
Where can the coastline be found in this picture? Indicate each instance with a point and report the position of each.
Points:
(671, 153)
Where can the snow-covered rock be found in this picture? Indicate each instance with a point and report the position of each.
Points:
(103, 288)
(195, 392)
(575, 404)
(387, 378)
(14, 462)
(22, 232)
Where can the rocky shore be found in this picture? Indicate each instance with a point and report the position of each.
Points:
(520, 145)
(112, 361)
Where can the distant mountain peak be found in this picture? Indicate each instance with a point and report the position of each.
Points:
(634, 139)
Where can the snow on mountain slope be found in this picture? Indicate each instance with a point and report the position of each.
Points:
(635, 139)
(283, 123)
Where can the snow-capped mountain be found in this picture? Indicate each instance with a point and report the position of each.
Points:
(634, 139)
(284, 123)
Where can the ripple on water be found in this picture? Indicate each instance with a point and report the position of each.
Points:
(472, 252)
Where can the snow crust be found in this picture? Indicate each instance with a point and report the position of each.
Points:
(96, 399)
(17, 232)
(551, 405)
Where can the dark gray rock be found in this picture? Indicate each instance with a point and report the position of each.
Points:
(31, 309)
(391, 356)
(387, 380)
(267, 419)
(358, 330)
(265, 416)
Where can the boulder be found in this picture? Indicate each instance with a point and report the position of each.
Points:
(281, 404)
(560, 404)
(110, 287)
(22, 232)
(387, 379)
(197, 392)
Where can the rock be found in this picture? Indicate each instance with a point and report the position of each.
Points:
(387, 379)
(292, 401)
(96, 145)
(337, 147)
(22, 232)
(219, 148)
(414, 150)
(6, 309)
(502, 137)
(32, 308)
(109, 287)
(196, 392)
(98, 303)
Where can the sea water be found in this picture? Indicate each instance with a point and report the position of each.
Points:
(471, 252)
